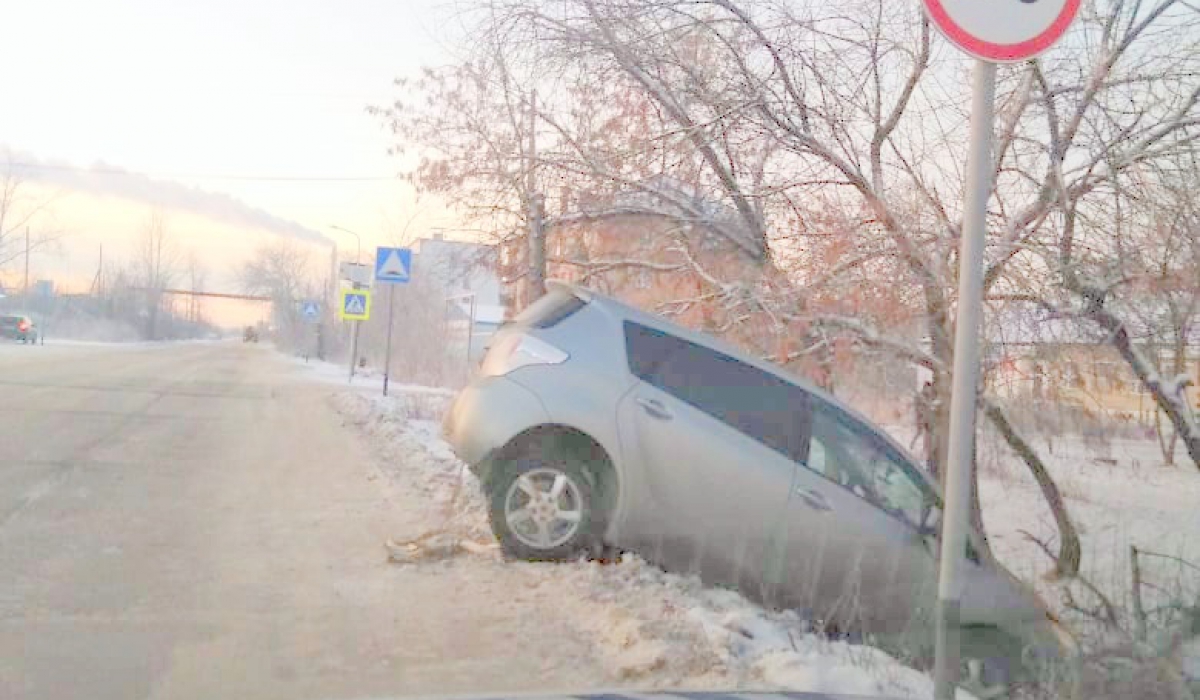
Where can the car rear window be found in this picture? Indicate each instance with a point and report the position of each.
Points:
(551, 309)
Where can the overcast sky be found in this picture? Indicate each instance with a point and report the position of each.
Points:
(215, 93)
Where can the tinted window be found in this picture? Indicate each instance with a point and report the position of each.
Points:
(852, 454)
(759, 404)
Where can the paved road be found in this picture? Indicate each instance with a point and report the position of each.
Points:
(194, 521)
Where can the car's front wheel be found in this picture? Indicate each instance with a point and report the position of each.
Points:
(542, 507)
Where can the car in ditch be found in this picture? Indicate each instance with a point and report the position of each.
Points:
(593, 425)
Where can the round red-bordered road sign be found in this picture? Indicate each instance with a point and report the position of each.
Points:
(1002, 31)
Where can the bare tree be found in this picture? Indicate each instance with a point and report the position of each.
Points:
(156, 266)
(196, 276)
(282, 270)
(23, 226)
(783, 110)
(476, 135)
(1151, 258)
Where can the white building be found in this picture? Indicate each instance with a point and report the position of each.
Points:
(466, 274)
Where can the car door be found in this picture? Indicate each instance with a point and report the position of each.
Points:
(856, 553)
(708, 435)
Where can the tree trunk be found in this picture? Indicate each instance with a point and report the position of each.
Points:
(536, 272)
(1174, 405)
(939, 437)
(1167, 447)
(937, 426)
(976, 506)
(1069, 550)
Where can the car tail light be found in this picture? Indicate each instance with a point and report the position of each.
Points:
(516, 351)
(23, 326)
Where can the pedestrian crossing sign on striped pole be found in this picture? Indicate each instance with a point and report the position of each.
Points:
(393, 265)
(356, 305)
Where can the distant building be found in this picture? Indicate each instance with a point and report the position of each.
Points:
(1034, 355)
(464, 272)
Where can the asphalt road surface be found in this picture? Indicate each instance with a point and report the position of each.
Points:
(194, 521)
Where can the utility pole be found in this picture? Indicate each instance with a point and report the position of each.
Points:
(94, 290)
(536, 273)
(26, 265)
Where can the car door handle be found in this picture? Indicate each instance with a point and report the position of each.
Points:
(814, 499)
(655, 408)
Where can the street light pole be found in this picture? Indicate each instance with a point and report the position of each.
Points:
(353, 285)
(357, 239)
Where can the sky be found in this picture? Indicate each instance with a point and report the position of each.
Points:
(258, 101)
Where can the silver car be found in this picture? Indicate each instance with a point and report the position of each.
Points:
(593, 424)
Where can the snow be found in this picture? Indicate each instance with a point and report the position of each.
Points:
(648, 627)
(54, 345)
(365, 379)
(1118, 496)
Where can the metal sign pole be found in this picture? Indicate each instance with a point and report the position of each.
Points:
(387, 353)
(353, 348)
(955, 520)
(470, 329)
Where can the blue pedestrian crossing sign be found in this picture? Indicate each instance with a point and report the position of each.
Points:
(356, 305)
(393, 265)
(310, 310)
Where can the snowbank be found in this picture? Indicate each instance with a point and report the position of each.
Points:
(366, 380)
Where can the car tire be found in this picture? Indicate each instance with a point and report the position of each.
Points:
(542, 507)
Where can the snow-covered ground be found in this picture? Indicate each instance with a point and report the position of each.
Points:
(650, 629)
(9, 348)
(368, 380)
(657, 629)
(1118, 498)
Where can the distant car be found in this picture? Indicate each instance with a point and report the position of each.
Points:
(21, 328)
(250, 335)
(593, 424)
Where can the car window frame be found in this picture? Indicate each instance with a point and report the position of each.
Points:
(877, 441)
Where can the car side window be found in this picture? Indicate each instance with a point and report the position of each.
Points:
(848, 452)
(759, 404)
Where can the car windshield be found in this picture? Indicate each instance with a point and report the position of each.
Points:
(486, 348)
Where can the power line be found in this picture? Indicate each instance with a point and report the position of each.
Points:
(254, 178)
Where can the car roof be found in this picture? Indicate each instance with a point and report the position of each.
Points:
(620, 309)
